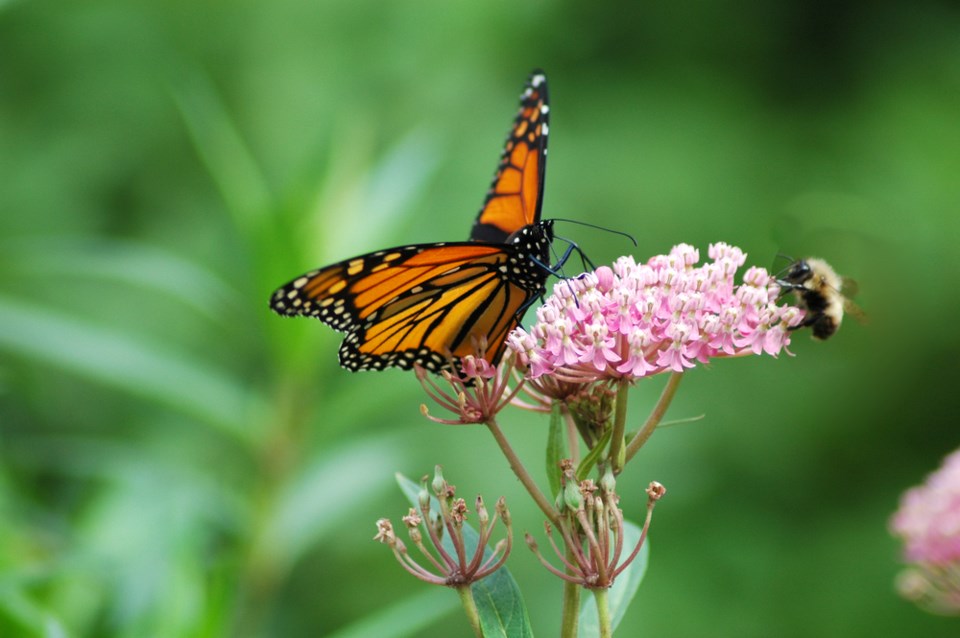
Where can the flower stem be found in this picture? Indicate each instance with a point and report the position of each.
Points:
(603, 612)
(517, 466)
(571, 606)
(470, 609)
(655, 416)
(619, 425)
(573, 443)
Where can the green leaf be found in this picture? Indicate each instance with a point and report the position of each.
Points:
(624, 587)
(311, 503)
(556, 448)
(499, 602)
(138, 265)
(583, 470)
(408, 617)
(130, 364)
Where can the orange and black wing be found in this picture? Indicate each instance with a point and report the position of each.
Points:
(413, 305)
(516, 194)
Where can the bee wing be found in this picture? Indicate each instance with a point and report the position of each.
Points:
(855, 311)
(849, 287)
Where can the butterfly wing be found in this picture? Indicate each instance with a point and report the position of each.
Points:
(416, 304)
(516, 194)
(427, 304)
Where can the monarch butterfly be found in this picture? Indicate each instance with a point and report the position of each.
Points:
(431, 304)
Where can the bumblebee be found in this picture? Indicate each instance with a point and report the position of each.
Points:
(820, 293)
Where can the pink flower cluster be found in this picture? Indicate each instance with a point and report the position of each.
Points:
(928, 520)
(635, 320)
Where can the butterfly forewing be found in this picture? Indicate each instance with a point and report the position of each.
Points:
(515, 196)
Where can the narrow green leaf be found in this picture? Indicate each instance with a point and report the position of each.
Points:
(138, 265)
(407, 617)
(556, 448)
(590, 460)
(222, 149)
(499, 602)
(133, 365)
(312, 503)
(623, 589)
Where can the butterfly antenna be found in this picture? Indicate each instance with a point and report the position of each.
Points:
(604, 228)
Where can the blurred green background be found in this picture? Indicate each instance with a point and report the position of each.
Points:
(175, 460)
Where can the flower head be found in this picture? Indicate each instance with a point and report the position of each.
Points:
(454, 566)
(928, 522)
(592, 529)
(476, 394)
(635, 320)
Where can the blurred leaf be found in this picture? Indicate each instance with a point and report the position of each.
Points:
(132, 365)
(408, 617)
(556, 448)
(364, 198)
(223, 150)
(328, 490)
(499, 602)
(135, 264)
(21, 614)
(623, 589)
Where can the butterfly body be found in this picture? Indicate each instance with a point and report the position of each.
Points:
(432, 304)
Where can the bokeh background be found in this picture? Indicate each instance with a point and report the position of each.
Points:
(177, 461)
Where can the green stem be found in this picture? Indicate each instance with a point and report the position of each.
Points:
(619, 426)
(603, 612)
(573, 443)
(470, 609)
(656, 416)
(571, 605)
(517, 466)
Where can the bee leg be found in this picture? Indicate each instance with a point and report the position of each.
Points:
(808, 321)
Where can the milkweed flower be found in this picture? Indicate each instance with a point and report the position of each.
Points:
(668, 314)
(592, 531)
(475, 394)
(460, 565)
(928, 522)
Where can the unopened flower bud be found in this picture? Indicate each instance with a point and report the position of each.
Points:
(531, 543)
(608, 483)
(423, 496)
(482, 515)
(503, 511)
(438, 482)
(571, 495)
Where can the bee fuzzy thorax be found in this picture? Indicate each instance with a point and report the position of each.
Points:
(817, 287)
(823, 275)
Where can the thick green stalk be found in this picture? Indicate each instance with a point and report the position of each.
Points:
(470, 609)
(571, 605)
(655, 416)
(617, 458)
(603, 612)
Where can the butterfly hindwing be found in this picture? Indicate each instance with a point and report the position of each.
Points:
(516, 194)
(414, 305)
